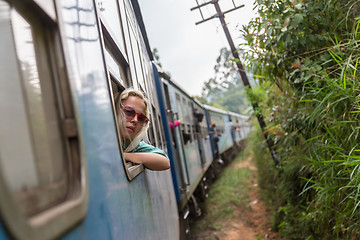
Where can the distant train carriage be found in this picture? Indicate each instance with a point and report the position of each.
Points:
(240, 127)
(190, 145)
(223, 128)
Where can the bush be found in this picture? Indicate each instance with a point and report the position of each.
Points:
(306, 56)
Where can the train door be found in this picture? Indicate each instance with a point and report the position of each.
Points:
(43, 174)
(198, 117)
(179, 139)
(173, 121)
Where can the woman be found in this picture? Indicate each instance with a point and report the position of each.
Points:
(133, 115)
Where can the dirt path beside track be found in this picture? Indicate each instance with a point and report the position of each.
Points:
(251, 222)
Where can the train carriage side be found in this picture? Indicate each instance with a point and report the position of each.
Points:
(189, 142)
(223, 128)
(180, 116)
(240, 127)
(61, 63)
(202, 134)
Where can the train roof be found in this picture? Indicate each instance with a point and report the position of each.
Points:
(214, 109)
(238, 115)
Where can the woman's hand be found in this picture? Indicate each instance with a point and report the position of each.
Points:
(153, 161)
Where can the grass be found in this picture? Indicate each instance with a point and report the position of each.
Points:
(227, 194)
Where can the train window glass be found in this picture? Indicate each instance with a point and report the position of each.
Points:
(167, 97)
(41, 159)
(162, 137)
(148, 73)
(151, 133)
(186, 111)
(156, 127)
(109, 14)
(112, 65)
(190, 111)
(115, 86)
(179, 108)
(40, 164)
(136, 58)
(116, 62)
(116, 69)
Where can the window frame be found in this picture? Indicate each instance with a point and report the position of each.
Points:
(56, 219)
(109, 44)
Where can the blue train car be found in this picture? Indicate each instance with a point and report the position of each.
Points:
(62, 172)
(240, 127)
(190, 145)
(231, 129)
(223, 130)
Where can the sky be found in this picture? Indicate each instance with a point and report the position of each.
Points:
(188, 51)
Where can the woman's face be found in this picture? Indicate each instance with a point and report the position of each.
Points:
(131, 125)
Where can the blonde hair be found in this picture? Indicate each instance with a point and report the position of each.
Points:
(119, 98)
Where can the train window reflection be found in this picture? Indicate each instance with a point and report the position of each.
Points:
(33, 146)
(109, 14)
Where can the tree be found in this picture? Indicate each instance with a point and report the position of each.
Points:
(225, 88)
(306, 54)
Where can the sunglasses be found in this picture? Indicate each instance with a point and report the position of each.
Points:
(130, 113)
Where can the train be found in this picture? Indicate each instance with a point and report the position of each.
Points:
(62, 170)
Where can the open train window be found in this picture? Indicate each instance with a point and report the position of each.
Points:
(111, 19)
(41, 172)
(118, 71)
(162, 136)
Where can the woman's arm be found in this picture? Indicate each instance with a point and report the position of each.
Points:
(153, 161)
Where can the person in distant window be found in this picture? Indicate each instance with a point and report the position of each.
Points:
(133, 115)
(216, 138)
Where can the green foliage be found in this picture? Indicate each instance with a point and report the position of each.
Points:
(307, 55)
(225, 90)
(156, 55)
(201, 99)
(228, 193)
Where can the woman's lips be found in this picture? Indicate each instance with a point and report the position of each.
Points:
(130, 129)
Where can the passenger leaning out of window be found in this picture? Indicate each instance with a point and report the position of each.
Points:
(133, 114)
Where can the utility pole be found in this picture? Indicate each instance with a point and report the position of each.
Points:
(221, 15)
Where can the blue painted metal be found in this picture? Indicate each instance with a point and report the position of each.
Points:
(3, 234)
(168, 137)
(210, 129)
(144, 208)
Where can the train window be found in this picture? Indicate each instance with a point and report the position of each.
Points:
(45, 147)
(179, 109)
(40, 165)
(153, 128)
(118, 73)
(131, 169)
(162, 137)
(167, 97)
(115, 60)
(109, 14)
(116, 69)
(186, 111)
(136, 57)
(151, 133)
(123, 71)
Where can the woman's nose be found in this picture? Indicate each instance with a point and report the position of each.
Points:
(135, 118)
